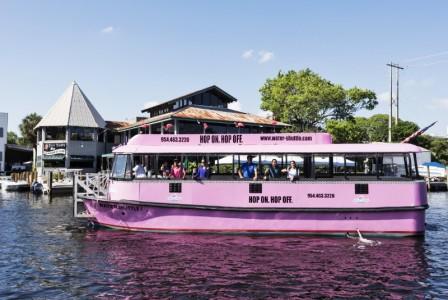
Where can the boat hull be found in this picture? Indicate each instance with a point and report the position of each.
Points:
(156, 217)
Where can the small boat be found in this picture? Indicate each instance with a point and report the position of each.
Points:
(14, 186)
(37, 187)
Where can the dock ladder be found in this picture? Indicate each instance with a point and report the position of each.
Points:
(88, 185)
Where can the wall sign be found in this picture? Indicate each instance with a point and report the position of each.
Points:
(54, 149)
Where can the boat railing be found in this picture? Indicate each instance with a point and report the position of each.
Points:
(89, 185)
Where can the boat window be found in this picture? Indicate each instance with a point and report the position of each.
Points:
(393, 166)
(303, 163)
(412, 165)
(323, 165)
(122, 167)
(415, 158)
(191, 162)
(247, 166)
(221, 164)
(142, 166)
(172, 166)
(271, 166)
(360, 165)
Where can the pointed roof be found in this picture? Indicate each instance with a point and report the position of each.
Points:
(74, 109)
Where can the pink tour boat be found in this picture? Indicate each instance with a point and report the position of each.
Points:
(295, 183)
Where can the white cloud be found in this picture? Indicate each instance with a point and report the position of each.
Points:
(248, 54)
(265, 113)
(235, 105)
(150, 104)
(384, 97)
(108, 29)
(265, 56)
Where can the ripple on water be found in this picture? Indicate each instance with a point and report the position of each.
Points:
(45, 253)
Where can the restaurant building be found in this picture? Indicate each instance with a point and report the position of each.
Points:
(71, 135)
(202, 111)
(74, 136)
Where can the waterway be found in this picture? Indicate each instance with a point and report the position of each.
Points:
(46, 254)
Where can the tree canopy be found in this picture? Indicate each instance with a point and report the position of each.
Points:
(305, 100)
(27, 129)
(12, 138)
(437, 145)
(373, 129)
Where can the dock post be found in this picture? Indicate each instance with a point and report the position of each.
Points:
(75, 195)
(50, 182)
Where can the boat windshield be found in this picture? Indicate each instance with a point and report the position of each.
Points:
(122, 167)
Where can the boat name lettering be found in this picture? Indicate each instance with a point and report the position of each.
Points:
(120, 206)
(221, 139)
(270, 199)
(320, 195)
(175, 139)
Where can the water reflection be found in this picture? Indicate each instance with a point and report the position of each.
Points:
(45, 253)
(164, 265)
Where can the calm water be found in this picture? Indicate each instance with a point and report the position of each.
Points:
(46, 254)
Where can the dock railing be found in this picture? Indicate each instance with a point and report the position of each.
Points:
(92, 185)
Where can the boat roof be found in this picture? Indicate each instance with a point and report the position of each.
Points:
(254, 143)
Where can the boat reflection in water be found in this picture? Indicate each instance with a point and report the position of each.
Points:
(171, 265)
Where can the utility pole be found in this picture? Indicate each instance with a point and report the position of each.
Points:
(398, 68)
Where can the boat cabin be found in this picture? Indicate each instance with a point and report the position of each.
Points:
(266, 157)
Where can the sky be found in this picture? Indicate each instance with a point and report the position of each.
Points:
(128, 54)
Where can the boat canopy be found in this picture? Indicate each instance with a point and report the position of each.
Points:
(255, 143)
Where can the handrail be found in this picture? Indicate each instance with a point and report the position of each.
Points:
(93, 185)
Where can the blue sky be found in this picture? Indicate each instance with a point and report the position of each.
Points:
(124, 54)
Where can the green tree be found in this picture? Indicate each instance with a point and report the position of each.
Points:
(306, 100)
(373, 129)
(348, 131)
(439, 148)
(12, 138)
(437, 145)
(27, 129)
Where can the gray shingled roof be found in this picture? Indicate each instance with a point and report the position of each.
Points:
(73, 108)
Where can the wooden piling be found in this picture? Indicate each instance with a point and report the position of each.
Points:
(50, 183)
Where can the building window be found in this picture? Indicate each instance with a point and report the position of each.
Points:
(1, 132)
(1, 155)
(82, 134)
(81, 161)
(54, 164)
(55, 134)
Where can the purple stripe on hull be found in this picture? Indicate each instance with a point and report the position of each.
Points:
(143, 217)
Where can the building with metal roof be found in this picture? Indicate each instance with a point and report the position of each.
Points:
(71, 135)
(73, 109)
(202, 111)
